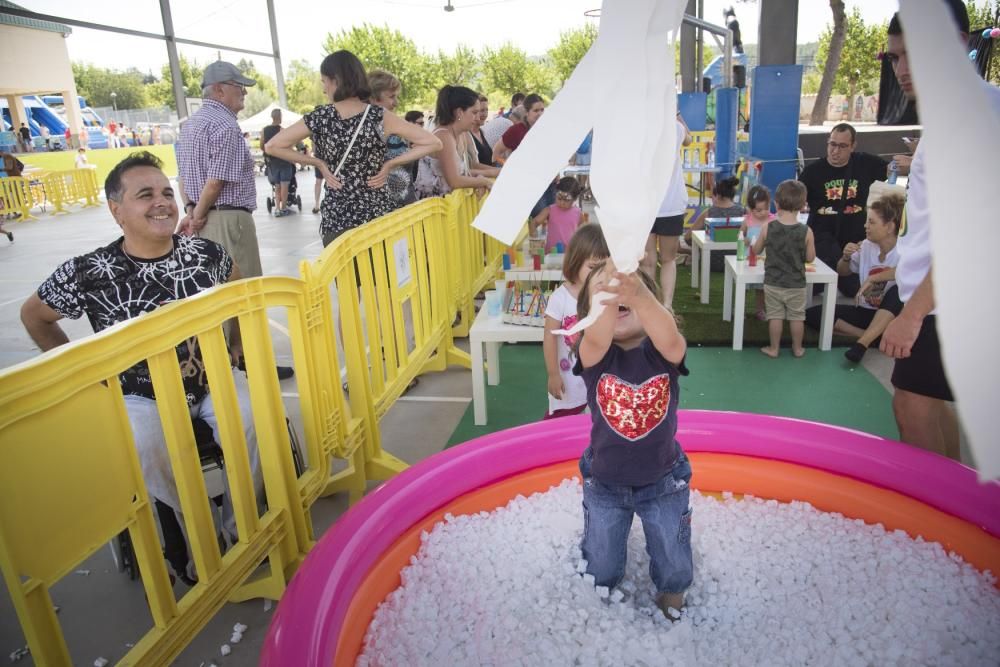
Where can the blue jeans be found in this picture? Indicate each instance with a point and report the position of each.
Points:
(665, 512)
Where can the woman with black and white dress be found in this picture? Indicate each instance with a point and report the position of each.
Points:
(348, 137)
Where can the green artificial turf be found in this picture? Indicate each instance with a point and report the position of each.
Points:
(104, 159)
(821, 386)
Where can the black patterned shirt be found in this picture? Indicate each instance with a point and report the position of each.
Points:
(355, 203)
(109, 286)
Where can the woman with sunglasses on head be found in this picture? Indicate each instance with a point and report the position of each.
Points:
(349, 143)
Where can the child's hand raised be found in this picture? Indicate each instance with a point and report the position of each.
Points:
(630, 291)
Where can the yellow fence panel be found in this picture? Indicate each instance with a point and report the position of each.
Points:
(70, 477)
(17, 196)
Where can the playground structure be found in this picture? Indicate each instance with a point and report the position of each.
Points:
(50, 112)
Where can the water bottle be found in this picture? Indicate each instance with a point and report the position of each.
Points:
(741, 247)
(687, 158)
(711, 158)
(893, 172)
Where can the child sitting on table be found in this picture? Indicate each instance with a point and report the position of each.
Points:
(562, 218)
(567, 393)
(758, 215)
(789, 246)
(631, 360)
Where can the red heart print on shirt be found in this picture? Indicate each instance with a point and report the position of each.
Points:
(633, 411)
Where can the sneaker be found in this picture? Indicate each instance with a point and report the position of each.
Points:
(670, 604)
(855, 353)
(281, 212)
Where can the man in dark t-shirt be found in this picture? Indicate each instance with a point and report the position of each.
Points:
(24, 134)
(147, 267)
(837, 191)
(279, 172)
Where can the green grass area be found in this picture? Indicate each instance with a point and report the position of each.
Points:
(103, 158)
(821, 386)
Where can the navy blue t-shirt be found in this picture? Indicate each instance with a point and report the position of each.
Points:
(633, 396)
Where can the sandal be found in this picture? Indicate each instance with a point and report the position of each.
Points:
(315, 210)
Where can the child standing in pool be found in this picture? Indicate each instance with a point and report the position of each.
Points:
(631, 359)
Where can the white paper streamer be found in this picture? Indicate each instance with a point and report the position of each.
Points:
(961, 143)
(624, 89)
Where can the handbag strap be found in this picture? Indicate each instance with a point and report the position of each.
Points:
(357, 130)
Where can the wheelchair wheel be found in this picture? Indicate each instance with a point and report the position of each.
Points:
(298, 202)
(270, 204)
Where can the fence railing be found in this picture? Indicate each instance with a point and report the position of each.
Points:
(70, 478)
(21, 194)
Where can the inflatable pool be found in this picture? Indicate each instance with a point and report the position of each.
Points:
(323, 616)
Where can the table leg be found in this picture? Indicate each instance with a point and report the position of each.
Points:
(826, 320)
(493, 363)
(695, 263)
(478, 386)
(738, 312)
(706, 268)
(727, 295)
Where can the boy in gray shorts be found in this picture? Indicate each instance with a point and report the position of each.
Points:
(789, 245)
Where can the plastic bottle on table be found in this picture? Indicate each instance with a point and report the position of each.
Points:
(741, 247)
(711, 157)
(893, 172)
(752, 257)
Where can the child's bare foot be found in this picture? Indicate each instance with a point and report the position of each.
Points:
(670, 604)
(770, 351)
(799, 353)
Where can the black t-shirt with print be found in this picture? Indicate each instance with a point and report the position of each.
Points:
(825, 194)
(633, 396)
(109, 286)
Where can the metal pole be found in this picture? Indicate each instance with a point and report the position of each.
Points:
(727, 34)
(278, 70)
(699, 63)
(180, 96)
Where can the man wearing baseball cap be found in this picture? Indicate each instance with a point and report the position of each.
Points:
(217, 171)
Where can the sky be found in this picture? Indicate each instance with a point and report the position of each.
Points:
(532, 25)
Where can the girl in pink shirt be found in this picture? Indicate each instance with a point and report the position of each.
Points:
(562, 218)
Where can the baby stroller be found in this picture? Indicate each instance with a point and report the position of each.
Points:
(293, 198)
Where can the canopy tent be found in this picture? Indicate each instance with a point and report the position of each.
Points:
(260, 120)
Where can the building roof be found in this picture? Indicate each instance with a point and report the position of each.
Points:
(21, 22)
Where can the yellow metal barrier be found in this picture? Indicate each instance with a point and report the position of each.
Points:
(17, 196)
(70, 478)
(73, 186)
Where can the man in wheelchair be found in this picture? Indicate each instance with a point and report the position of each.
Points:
(148, 266)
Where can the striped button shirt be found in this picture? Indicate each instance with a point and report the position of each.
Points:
(211, 146)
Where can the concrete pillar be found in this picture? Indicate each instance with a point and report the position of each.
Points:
(777, 32)
(690, 78)
(73, 117)
(18, 115)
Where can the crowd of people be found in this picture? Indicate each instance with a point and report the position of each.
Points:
(371, 161)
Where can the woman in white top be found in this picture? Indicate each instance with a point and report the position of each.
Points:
(450, 168)
(874, 260)
(669, 224)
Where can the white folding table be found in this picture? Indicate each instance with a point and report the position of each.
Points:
(491, 332)
(701, 254)
(742, 274)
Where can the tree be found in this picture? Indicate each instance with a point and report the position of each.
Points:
(161, 93)
(388, 49)
(459, 69)
(572, 46)
(859, 67)
(97, 83)
(988, 15)
(837, 36)
(303, 87)
(509, 70)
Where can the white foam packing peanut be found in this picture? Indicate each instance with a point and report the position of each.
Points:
(774, 584)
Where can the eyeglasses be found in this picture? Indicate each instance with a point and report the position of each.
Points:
(242, 88)
(564, 196)
(839, 147)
